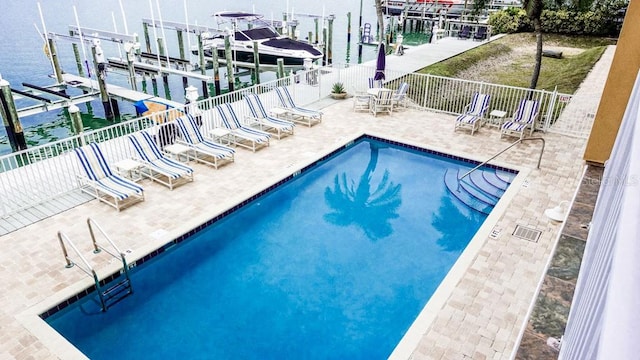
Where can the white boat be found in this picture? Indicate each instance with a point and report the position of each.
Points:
(271, 45)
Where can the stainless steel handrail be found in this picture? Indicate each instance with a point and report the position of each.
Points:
(502, 151)
(97, 248)
(89, 270)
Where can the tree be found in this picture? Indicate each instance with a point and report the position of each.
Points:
(534, 11)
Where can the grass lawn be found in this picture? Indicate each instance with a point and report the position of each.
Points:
(510, 61)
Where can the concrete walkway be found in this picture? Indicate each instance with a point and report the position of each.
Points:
(418, 57)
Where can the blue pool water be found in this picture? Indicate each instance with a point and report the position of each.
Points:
(334, 264)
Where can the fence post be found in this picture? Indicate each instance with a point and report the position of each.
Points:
(550, 110)
(426, 90)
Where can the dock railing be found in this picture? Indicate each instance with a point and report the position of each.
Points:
(31, 177)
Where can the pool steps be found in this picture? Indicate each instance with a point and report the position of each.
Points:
(481, 190)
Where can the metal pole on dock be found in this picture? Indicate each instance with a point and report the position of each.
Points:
(256, 64)
(229, 58)
(10, 117)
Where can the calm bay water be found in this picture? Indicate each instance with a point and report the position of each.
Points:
(22, 59)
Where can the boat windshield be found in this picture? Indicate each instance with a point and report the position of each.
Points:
(255, 34)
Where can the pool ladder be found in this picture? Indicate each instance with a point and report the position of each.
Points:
(114, 293)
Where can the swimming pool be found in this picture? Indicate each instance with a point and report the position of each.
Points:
(336, 263)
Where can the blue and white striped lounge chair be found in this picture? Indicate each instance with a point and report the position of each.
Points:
(100, 182)
(244, 136)
(278, 127)
(298, 114)
(204, 151)
(473, 114)
(155, 165)
(523, 118)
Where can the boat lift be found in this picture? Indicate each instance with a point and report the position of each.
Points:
(61, 99)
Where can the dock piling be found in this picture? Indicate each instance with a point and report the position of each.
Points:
(54, 59)
(229, 58)
(100, 65)
(185, 80)
(131, 56)
(76, 54)
(10, 117)
(330, 40)
(216, 73)
(147, 40)
(280, 73)
(324, 46)
(256, 63)
(161, 54)
(76, 119)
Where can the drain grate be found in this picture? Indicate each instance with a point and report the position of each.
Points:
(527, 233)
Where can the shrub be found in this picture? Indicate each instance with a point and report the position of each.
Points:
(603, 20)
(338, 88)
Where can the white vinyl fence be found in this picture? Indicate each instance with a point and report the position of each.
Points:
(33, 176)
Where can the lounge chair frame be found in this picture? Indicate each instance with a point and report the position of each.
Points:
(155, 165)
(278, 127)
(243, 136)
(473, 114)
(202, 150)
(523, 118)
(295, 113)
(101, 183)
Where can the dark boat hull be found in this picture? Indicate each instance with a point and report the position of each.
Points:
(248, 57)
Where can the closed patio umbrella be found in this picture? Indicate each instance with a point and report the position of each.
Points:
(380, 63)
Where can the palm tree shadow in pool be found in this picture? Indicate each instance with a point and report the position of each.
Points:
(358, 205)
(456, 234)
